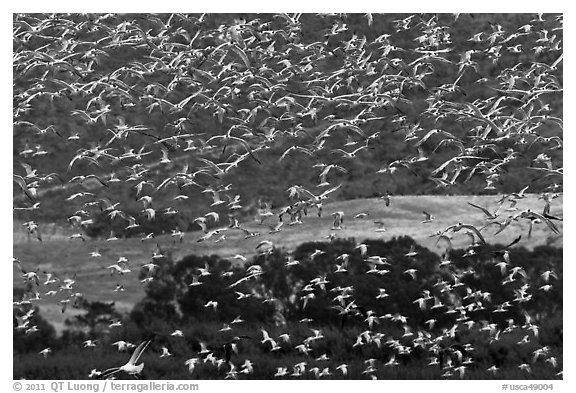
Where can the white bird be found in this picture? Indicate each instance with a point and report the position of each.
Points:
(95, 254)
(285, 337)
(427, 217)
(204, 271)
(412, 253)
(489, 215)
(525, 367)
(547, 274)
(377, 260)
(240, 257)
(203, 349)
(461, 370)
(242, 295)
(89, 343)
(195, 282)
(266, 337)
(338, 220)
(433, 361)
(382, 293)
(392, 361)
(430, 323)
(237, 320)
(130, 367)
(381, 226)
(343, 369)
(211, 303)
(290, 261)
(201, 221)
(363, 249)
(123, 345)
(303, 348)
(191, 364)
(165, 352)
(316, 253)
(247, 367)
(281, 371)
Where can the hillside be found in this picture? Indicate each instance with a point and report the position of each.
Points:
(404, 216)
(390, 142)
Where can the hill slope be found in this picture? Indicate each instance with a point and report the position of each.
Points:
(57, 253)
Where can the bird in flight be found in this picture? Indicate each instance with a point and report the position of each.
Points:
(130, 368)
(489, 215)
(412, 253)
(338, 219)
(427, 217)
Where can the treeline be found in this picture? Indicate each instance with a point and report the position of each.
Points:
(279, 300)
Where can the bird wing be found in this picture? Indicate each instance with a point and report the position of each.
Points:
(286, 152)
(247, 147)
(22, 184)
(202, 224)
(513, 242)
(445, 238)
(240, 281)
(548, 222)
(107, 373)
(505, 224)
(263, 243)
(329, 191)
(476, 231)
(301, 190)
(138, 351)
(265, 335)
(425, 137)
(246, 231)
(486, 212)
(210, 164)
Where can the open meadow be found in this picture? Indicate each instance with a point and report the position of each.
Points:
(65, 256)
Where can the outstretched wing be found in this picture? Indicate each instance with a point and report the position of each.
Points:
(476, 231)
(22, 184)
(138, 351)
(325, 193)
(486, 212)
(549, 223)
(513, 242)
(107, 373)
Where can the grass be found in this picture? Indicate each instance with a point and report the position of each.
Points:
(68, 257)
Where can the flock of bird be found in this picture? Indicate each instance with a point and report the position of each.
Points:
(219, 96)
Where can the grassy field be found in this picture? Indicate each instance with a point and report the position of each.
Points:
(66, 257)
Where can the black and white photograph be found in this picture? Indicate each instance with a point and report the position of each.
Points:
(288, 196)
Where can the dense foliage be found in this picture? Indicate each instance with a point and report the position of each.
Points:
(171, 304)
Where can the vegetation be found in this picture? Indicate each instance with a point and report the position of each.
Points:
(170, 304)
(361, 179)
(146, 142)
